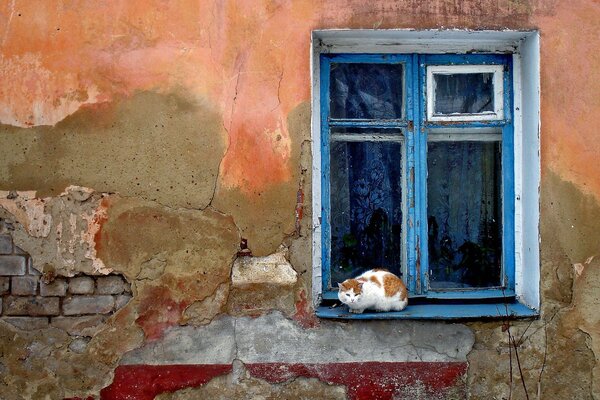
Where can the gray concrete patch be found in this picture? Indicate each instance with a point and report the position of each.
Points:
(209, 344)
(273, 338)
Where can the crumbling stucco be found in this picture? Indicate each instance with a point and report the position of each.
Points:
(57, 232)
(190, 125)
(159, 147)
(561, 347)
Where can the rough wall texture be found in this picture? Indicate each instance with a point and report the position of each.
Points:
(146, 139)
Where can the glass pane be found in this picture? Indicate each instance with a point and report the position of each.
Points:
(463, 93)
(366, 208)
(366, 91)
(464, 214)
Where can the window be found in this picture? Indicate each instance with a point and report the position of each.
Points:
(420, 173)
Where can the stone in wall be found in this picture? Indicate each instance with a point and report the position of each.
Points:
(260, 284)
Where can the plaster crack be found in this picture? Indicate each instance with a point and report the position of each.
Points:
(228, 130)
(235, 339)
(278, 92)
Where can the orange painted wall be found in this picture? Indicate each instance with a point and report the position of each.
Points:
(249, 61)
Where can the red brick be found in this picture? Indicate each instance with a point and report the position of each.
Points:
(57, 288)
(24, 285)
(6, 244)
(12, 265)
(110, 285)
(81, 305)
(79, 326)
(81, 285)
(4, 285)
(32, 306)
(27, 323)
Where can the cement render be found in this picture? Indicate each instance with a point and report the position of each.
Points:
(272, 338)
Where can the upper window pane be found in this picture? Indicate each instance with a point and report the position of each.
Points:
(463, 93)
(366, 91)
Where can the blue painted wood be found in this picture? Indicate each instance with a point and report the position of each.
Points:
(470, 294)
(369, 58)
(437, 311)
(508, 248)
(364, 123)
(508, 180)
(325, 174)
(421, 177)
(464, 59)
(326, 124)
(458, 124)
(415, 171)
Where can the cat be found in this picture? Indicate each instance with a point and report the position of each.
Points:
(376, 289)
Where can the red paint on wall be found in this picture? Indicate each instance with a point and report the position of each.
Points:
(98, 222)
(363, 380)
(159, 311)
(304, 316)
(144, 382)
(371, 380)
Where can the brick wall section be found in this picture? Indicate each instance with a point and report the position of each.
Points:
(78, 305)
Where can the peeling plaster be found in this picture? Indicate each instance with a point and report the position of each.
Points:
(58, 232)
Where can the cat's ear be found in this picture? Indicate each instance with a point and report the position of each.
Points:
(360, 285)
(340, 285)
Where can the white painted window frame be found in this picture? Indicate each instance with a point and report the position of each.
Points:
(525, 48)
(498, 74)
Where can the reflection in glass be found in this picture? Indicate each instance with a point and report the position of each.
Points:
(464, 214)
(366, 208)
(366, 91)
(463, 93)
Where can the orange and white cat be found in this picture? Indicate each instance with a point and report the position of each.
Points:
(376, 289)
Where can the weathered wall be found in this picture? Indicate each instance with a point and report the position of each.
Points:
(144, 140)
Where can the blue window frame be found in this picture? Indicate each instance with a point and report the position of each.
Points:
(417, 175)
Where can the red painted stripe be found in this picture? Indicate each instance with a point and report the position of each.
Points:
(372, 380)
(144, 382)
(364, 380)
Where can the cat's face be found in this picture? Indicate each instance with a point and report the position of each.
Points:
(350, 291)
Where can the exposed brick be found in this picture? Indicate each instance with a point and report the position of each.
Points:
(27, 323)
(79, 326)
(81, 285)
(4, 285)
(12, 265)
(6, 244)
(79, 305)
(32, 306)
(110, 285)
(20, 251)
(30, 269)
(57, 288)
(121, 300)
(24, 285)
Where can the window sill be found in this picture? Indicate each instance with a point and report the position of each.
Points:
(437, 312)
